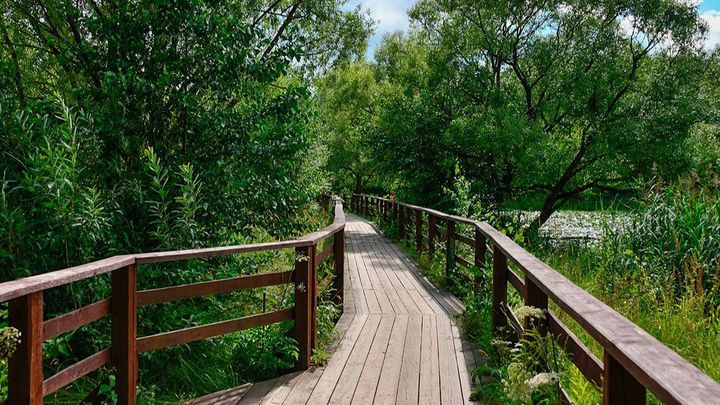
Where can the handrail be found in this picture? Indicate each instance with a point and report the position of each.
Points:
(634, 361)
(27, 384)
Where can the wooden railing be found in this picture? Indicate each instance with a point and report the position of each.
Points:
(633, 362)
(27, 384)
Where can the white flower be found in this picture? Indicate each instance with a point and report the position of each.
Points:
(500, 343)
(9, 341)
(541, 380)
(516, 385)
(526, 311)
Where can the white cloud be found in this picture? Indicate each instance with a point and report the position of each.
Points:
(390, 15)
(712, 18)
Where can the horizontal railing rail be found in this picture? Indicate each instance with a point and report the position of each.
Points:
(634, 361)
(27, 384)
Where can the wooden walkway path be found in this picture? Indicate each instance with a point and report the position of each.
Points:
(399, 341)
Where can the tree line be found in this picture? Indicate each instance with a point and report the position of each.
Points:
(555, 100)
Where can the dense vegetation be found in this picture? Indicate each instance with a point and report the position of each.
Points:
(140, 125)
(131, 126)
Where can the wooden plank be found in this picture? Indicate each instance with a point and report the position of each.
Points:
(459, 260)
(450, 388)
(348, 379)
(123, 352)
(75, 319)
(255, 394)
(187, 291)
(77, 370)
(25, 374)
(517, 283)
(165, 339)
(588, 364)
(280, 391)
(464, 369)
(17, 288)
(464, 239)
(211, 399)
(429, 362)
(370, 376)
(187, 254)
(390, 374)
(327, 382)
(408, 388)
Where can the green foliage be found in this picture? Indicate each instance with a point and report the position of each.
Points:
(137, 126)
(550, 101)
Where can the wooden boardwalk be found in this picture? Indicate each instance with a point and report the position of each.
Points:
(399, 341)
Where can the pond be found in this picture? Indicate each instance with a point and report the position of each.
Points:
(578, 225)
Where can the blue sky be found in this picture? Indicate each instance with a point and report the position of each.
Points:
(391, 15)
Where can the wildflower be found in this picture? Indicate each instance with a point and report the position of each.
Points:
(500, 343)
(516, 385)
(9, 340)
(541, 380)
(526, 311)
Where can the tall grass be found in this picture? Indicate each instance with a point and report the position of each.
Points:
(661, 271)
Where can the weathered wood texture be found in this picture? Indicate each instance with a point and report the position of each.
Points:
(399, 341)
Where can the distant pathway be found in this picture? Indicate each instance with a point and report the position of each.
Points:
(399, 341)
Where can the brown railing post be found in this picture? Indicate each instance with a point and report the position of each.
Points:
(480, 251)
(432, 229)
(385, 211)
(499, 297)
(314, 300)
(535, 298)
(401, 221)
(418, 231)
(395, 209)
(339, 256)
(25, 374)
(304, 307)
(619, 386)
(123, 351)
(449, 249)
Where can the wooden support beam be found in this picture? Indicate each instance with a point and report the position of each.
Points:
(339, 256)
(449, 250)
(480, 249)
(304, 307)
(418, 231)
(123, 353)
(432, 229)
(619, 386)
(25, 374)
(499, 297)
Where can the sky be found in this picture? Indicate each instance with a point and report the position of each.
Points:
(391, 15)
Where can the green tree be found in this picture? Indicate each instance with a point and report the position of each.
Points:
(554, 97)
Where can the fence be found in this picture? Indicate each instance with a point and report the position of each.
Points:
(27, 384)
(634, 362)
